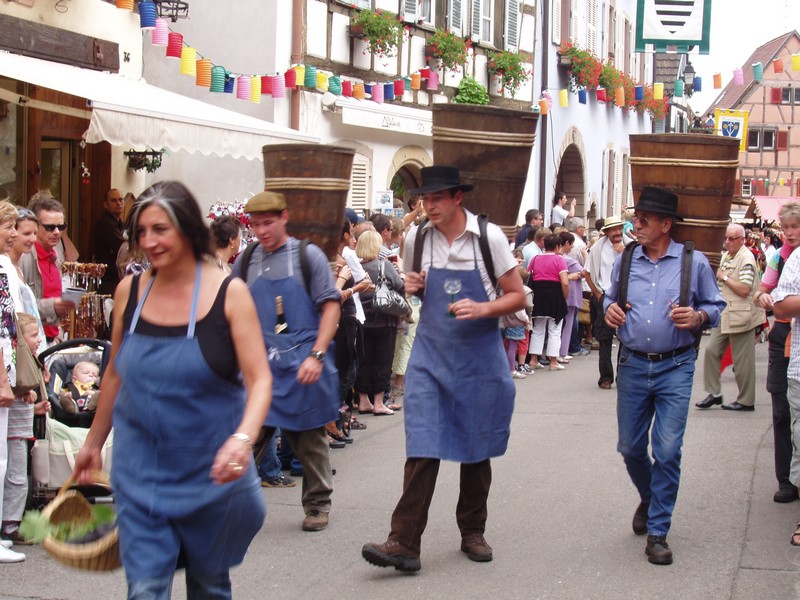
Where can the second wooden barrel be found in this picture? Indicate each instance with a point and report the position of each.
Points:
(701, 170)
(315, 180)
(492, 148)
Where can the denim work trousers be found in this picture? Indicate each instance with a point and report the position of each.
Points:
(654, 393)
(410, 516)
(199, 586)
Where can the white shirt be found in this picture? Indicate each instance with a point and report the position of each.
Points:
(352, 260)
(529, 251)
(601, 262)
(558, 215)
(464, 251)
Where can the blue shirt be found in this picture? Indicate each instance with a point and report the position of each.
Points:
(653, 287)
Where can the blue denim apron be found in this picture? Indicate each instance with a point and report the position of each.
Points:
(295, 407)
(171, 416)
(459, 398)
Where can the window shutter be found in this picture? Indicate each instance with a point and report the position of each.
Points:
(617, 196)
(555, 25)
(777, 95)
(782, 142)
(512, 25)
(410, 11)
(619, 43)
(475, 26)
(358, 197)
(454, 16)
(591, 26)
(573, 21)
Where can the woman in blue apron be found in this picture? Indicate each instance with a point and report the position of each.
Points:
(186, 494)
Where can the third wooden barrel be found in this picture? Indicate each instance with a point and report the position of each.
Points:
(701, 170)
(315, 180)
(492, 148)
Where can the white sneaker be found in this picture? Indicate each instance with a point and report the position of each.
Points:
(517, 375)
(9, 556)
(6, 543)
(563, 360)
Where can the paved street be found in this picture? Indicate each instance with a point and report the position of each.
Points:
(559, 520)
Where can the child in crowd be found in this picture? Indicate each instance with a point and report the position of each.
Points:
(515, 330)
(20, 430)
(80, 394)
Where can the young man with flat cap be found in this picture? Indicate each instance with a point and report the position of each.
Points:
(305, 391)
(657, 359)
(458, 396)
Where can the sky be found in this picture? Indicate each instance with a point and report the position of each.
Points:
(737, 28)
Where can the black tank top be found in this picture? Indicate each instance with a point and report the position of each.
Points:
(213, 332)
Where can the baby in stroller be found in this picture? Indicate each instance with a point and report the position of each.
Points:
(80, 394)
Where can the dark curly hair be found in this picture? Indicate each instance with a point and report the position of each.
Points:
(224, 230)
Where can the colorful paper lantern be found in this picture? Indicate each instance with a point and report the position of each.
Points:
(777, 65)
(266, 84)
(203, 70)
(310, 79)
(582, 96)
(543, 106)
(738, 76)
(218, 79)
(335, 85)
(243, 87)
(174, 44)
(717, 81)
(563, 98)
(601, 95)
(147, 14)
(758, 71)
(697, 84)
(388, 91)
(638, 93)
(358, 91)
(407, 82)
(322, 81)
(368, 89)
(658, 91)
(347, 88)
(255, 90)
(290, 79)
(425, 72)
(160, 35)
(125, 4)
(796, 62)
(679, 88)
(189, 61)
(433, 81)
(300, 70)
(229, 81)
(399, 87)
(279, 85)
(416, 81)
(377, 93)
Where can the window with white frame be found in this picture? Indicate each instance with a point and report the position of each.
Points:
(747, 188)
(483, 21)
(425, 11)
(753, 139)
(357, 3)
(767, 139)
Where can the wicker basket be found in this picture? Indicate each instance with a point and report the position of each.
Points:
(98, 555)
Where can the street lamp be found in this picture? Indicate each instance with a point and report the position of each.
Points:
(688, 76)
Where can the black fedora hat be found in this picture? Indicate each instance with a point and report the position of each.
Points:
(659, 201)
(438, 178)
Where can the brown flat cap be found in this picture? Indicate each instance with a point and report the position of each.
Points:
(265, 202)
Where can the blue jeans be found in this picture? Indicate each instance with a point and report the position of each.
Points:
(575, 339)
(657, 394)
(199, 586)
(270, 465)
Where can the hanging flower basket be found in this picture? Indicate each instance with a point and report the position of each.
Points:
(447, 47)
(148, 160)
(507, 67)
(381, 30)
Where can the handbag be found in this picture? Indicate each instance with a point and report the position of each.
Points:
(387, 301)
(29, 374)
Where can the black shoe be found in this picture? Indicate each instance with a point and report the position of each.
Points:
(785, 494)
(391, 554)
(657, 550)
(335, 443)
(640, 518)
(737, 406)
(709, 401)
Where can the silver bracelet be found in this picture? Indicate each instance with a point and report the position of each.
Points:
(243, 437)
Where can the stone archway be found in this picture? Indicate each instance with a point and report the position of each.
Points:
(571, 173)
(405, 168)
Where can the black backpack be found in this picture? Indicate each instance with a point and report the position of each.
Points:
(625, 272)
(305, 268)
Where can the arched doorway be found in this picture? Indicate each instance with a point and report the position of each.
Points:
(405, 171)
(571, 174)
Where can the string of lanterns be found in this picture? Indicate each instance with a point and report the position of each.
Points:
(252, 87)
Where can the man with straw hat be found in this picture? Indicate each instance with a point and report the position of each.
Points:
(459, 396)
(658, 306)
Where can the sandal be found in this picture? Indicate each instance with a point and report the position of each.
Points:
(380, 413)
(795, 539)
(356, 424)
(394, 406)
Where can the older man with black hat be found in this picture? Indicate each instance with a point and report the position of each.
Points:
(295, 283)
(459, 396)
(656, 325)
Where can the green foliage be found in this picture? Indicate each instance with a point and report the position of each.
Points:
(36, 527)
(382, 31)
(507, 66)
(585, 67)
(471, 92)
(448, 47)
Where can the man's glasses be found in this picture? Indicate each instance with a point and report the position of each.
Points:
(643, 219)
(52, 228)
(729, 238)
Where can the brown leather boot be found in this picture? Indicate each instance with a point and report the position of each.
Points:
(391, 554)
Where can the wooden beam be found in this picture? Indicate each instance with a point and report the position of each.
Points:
(58, 45)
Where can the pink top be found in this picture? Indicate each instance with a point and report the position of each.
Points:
(770, 278)
(546, 267)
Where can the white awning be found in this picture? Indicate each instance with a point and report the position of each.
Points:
(127, 112)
